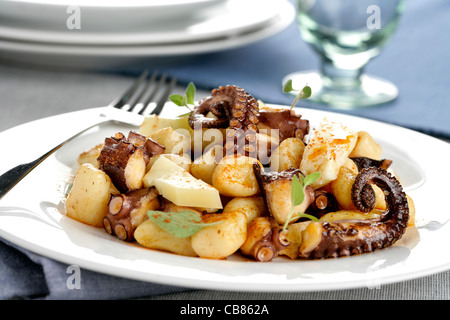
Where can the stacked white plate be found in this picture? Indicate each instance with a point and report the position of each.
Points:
(80, 31)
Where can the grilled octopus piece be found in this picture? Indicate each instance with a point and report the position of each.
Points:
(275, 187)
(287, 122)
(234, 109)
(349, 237)
(127, 211)
(364, 162)
(124, 159)
(323, 203)
(265, 239)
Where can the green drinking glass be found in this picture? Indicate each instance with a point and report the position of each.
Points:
(346, 34)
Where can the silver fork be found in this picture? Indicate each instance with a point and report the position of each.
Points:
(127, 109)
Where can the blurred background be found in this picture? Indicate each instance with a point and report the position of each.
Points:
(93, 46)
(389, 57)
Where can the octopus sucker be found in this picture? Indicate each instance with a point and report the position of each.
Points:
(265, 239)
(127, 211)
(234, 109)
(349, 237)
(323, 202)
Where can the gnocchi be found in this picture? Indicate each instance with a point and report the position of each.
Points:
(223, 239)
(288, 154)
(233, 177)
(88, 199)
(236, 211)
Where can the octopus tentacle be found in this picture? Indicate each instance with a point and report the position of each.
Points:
(127, 211)
(364, 162)
(235, 109)
(323, 202)
(265, 239)
(349, 237)
(286, 121)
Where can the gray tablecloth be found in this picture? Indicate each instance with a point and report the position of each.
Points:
(422, 74)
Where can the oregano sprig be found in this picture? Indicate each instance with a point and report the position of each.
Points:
(187, 100)
(181, 224)
(298, 195)
(303, 94)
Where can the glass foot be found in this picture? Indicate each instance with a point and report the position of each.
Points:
(371, 91)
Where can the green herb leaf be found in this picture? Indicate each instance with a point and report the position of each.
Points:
(184, 114)
(177, 99)
(297, 193)
(298, 186)
(304, 215)
(306, 92)
(186, 100)
(190, 93)
(288, 86)
(309, 179)
(180, 224)
(303, 94)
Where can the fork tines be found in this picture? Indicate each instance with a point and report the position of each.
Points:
(148, 92)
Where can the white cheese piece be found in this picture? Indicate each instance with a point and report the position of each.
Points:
(178, 186)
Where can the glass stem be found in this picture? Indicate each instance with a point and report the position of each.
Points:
(339, 78)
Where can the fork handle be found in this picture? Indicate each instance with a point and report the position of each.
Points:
(13, 176)
(10, 178)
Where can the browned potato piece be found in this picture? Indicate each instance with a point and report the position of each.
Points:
(342, 187)
(412, 212)
(288, 155)
(252, 206)
(223, 239)
(88, 199)
(203, 167)
(234, 177)
(153, 123)
(366, 147)
(91, 155)
(150, 235)
(177, 141)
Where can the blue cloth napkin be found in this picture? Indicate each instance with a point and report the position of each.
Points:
(416, 59)
(25, 275)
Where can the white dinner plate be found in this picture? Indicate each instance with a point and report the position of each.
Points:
(32, 216)
(225, 19)
(97, 15)
(105, 56)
